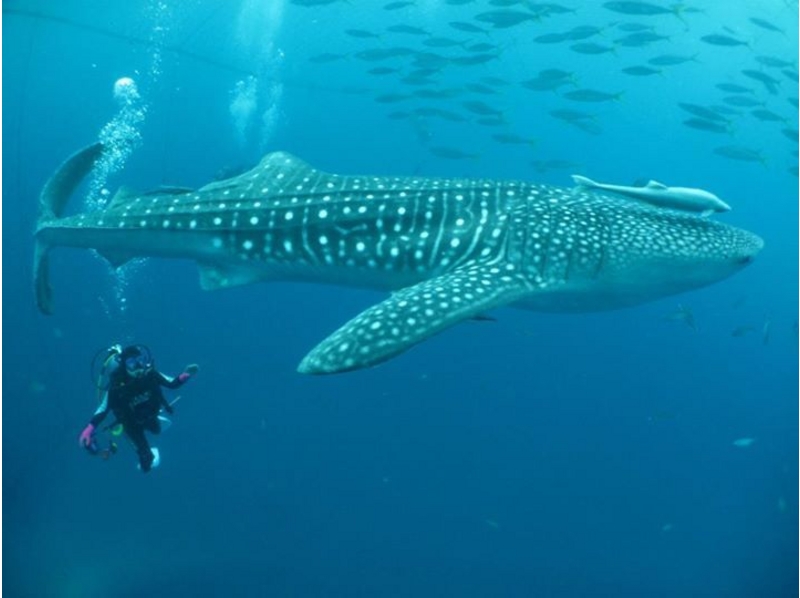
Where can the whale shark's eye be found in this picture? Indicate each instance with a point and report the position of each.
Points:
(745, 260)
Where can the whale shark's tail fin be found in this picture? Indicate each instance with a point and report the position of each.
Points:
(52, 201)
(584, 182)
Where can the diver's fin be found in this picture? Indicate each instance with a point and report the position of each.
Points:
(52, 201)
(414, 314)
(656, 185)
(156, 459)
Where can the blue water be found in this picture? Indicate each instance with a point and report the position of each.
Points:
(538, 455)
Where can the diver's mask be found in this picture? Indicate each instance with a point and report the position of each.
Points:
(138, 365)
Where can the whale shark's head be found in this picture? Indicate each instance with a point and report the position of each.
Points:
(671, 253)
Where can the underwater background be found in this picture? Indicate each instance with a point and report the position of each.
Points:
(649, 451)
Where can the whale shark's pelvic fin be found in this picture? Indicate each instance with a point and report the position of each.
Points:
(413, 314)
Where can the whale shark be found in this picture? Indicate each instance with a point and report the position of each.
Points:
(445, 249)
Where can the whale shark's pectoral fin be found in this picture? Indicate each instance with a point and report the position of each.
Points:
(413, 314)
(218, 276)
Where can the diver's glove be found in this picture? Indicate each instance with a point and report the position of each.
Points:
(87, 436)
(189, 371)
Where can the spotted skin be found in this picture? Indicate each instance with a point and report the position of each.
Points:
(448, 249)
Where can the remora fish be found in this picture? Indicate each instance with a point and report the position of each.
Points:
(679, 198)
(447, 249)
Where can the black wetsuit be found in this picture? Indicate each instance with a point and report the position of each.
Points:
(136, 403)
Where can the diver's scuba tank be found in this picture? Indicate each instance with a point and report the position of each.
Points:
(109, 360)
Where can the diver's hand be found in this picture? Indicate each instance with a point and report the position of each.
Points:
(188, 372)
(86, 437)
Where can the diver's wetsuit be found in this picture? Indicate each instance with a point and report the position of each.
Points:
(136, 403)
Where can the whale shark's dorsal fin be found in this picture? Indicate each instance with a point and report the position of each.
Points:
(273, 168)
(414, 314)
(656, 185)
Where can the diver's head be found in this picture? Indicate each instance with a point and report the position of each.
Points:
(137, 360)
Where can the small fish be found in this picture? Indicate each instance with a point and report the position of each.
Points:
(682, 314)
(639, 39)
(638, 8)
(438, 94)
(743, 330)
(482, 47)
(539, 84)
(480, 88)
(768, 116)
(397, 5)
(733, 88)
(451, 153)
(743, 442)
(571, 116)
(467, 27)
(742, 101)
(582, 32)
(473, 59)
(377, 54)
(772, 62)
(769, 82)
(702, 112)
(591, 95)
(591, 48)
(633, 27)
(477, 107)
(360, 33)
(671, 60)
(511, 139)
(706, 125)
(312, 2)
(717, 39)
(765, 24)
(641, 71)
(743, 154)
(790, 134)
(658, 194)
(503, 19)
(794, 102)
(408, 29)
(552, 74)
(790, 74)
(443, 114)
(441, 42)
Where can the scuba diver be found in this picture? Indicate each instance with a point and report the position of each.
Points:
(131, 388)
